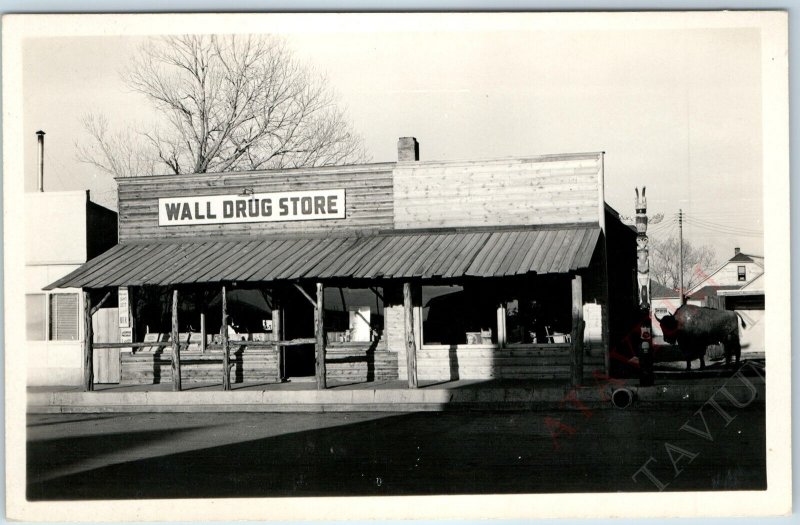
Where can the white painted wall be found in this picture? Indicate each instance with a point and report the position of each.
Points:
(55, 244)
(55, 227)
(727, 275)
(752, 337)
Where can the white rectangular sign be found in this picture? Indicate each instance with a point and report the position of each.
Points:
(259, 207)
(123, 308)
(126, 335)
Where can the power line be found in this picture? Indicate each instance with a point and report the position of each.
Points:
(725, 231)
(722, 226)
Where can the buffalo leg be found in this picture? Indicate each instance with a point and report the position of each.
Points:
(735, 351)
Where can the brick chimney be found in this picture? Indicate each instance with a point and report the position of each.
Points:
(736, 251)
(407, 149)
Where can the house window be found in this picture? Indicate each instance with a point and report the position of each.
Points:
(64, 317)
(456, 315)
(51, 317)
(740, 270)
(36, 316)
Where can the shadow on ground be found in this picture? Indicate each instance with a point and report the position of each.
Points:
(417, 453)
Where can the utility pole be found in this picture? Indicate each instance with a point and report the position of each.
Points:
(680, 254)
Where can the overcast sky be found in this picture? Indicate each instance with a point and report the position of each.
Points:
(676, 110)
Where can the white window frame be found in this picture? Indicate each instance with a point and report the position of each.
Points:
(47, 316)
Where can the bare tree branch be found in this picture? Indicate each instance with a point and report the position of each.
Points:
(229, 103)
(698, 262)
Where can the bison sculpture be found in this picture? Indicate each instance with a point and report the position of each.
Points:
(696, 327)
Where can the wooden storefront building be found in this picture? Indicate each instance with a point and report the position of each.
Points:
(411, 270)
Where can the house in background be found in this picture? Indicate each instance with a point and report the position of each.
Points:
(62, 231)
(735, 273)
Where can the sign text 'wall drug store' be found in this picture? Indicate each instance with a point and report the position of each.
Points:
(257, 207)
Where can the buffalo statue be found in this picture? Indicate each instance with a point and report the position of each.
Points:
(696, 327)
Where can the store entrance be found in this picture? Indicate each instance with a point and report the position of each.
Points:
(297, 362)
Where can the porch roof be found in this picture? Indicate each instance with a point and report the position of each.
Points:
(412, 254)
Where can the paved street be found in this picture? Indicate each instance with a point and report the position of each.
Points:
(91, 456)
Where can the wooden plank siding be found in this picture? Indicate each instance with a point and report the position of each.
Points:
(546, 361)
(368, 201)
(554, 189)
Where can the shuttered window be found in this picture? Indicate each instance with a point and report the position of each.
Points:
(64, 317)
(36, 317)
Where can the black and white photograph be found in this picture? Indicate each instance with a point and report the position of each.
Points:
(396, 265)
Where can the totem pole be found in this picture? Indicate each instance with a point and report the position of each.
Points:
(643, 281)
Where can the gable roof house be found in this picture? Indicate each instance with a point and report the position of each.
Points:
(733, 274)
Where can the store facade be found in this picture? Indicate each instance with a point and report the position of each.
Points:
(414, 270)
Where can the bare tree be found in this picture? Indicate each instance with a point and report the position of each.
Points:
(115, 153)
(229, 103)
(698, 262)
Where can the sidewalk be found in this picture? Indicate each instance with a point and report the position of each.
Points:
(390, 396)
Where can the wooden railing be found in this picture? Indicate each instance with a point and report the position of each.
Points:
(213, 346)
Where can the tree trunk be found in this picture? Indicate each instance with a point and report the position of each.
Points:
(411, 345)
(277, 334)
(576, 362)
(203, 341)
(176, 345)
(226, 369)
(88, 350)
(319, 333)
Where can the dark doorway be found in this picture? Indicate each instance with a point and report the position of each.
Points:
(298, 322)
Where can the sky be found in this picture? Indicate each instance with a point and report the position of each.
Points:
(676, 110)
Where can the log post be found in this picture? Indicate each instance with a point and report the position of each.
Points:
(501, 325)
(88, 349)
(276, 333)
(226, 369)
(576, 359)
(203, 340)
(319, 333)
(176, 345)
(411, 344)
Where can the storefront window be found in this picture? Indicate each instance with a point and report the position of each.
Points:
(457, 315)
(523, 324)
(538, 312)
(35, 317)
(353, 314)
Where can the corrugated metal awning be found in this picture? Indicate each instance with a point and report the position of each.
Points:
(391, 255)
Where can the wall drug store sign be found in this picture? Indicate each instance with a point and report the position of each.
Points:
(259, 207)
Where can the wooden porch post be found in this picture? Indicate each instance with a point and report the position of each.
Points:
(226, 369)
(576, 361)
(202, 332)
(319, 333)
(411, 344)
(277, 332)
(501, 325)
(176, 345)
(88, 349)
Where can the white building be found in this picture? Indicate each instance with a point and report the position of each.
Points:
(62, 231)
(733, 274)
(748, 301)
